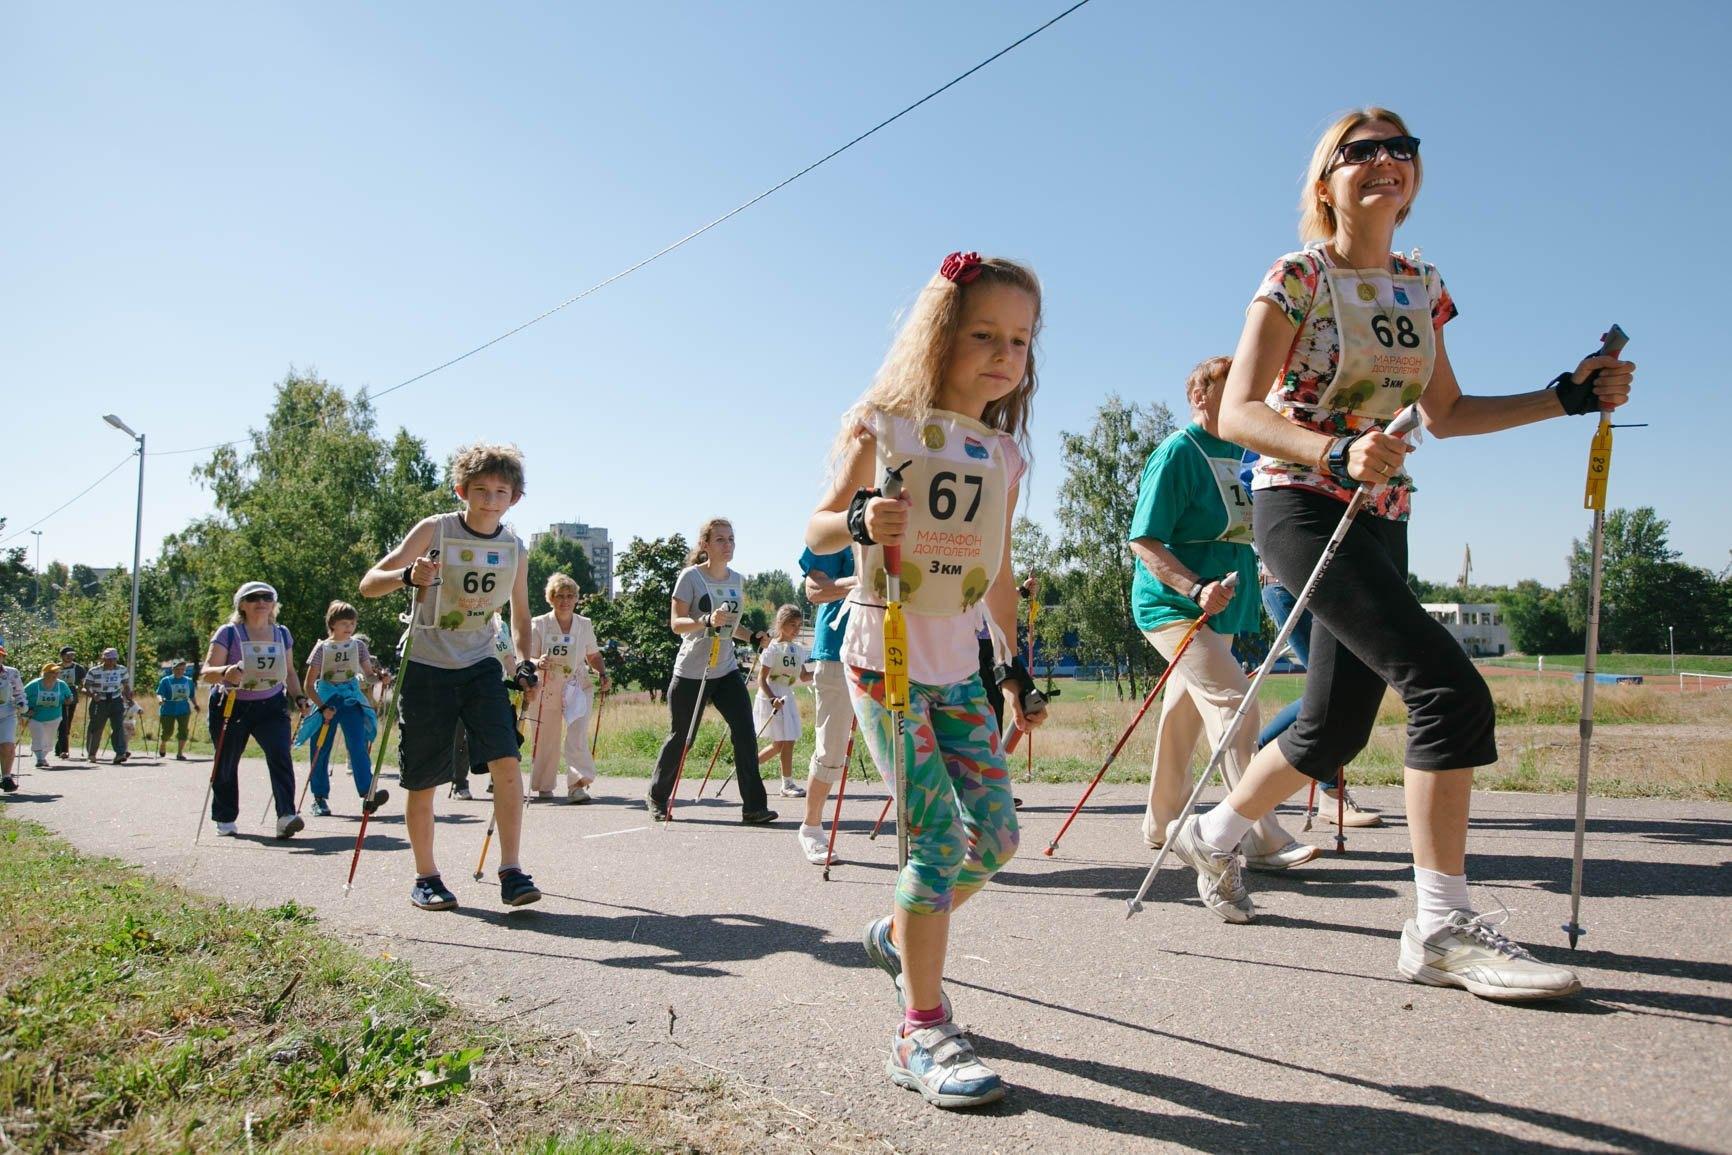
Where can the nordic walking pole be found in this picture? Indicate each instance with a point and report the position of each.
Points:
(775, 708)
(841, 790)
(1031, 590)
(385, 723)
(493, 809)
(1184, 642)
(721, 740)
(698, 710)
(595, 734)
(1405, 422)
(215, 761)
(1594, 498)
(882, 814)
(896, 671)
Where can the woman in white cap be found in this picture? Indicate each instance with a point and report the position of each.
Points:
(253, 658)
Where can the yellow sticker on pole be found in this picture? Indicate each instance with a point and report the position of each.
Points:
(895, 659)
(1599, 467)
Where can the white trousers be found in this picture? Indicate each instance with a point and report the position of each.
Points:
(552, 738)
(1202, 694)
(833, 720)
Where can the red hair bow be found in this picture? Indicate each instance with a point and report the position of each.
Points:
(962, 268)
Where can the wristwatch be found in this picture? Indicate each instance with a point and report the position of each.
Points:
(1337, 461)
(1196, 591)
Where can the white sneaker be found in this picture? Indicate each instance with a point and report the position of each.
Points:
(791, 789)
(813, 845)
(463, 793)
(577, 796)
(1470, 953)
(226, 829)
(1220, 884)
(290, 825)
(1295, 853)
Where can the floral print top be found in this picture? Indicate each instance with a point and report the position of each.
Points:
(1297, 284)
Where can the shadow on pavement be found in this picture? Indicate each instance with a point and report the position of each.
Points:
(1240, 1122)
(1685, 831)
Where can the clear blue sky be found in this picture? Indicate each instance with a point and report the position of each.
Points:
(199, 196)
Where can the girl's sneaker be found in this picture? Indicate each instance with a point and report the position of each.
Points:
(463, 793)
(321, 807)
(9, 784)
(940, 1063)
(791, 789)
(517, 888)
(432, 894)
(888, 959)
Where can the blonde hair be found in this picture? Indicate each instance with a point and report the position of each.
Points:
(908, 381)
(1316, 215)
(481, 459)
(1210, 374)
(699, 554)
(338, 611)
(50, 668)
(557, 583)
(788, 613)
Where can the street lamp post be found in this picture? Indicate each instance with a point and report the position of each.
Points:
(1672, 648)
(137, 543)
(38, 535)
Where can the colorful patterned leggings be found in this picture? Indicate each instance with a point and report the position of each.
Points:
(961, 816)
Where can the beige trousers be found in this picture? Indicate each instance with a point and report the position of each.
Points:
(834, 718)
(1204, 690)
(551, 738)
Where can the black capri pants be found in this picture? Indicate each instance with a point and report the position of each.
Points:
(728, 693)
(1368, 630)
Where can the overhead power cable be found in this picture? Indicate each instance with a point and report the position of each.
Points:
(70, 500)
(689, 237)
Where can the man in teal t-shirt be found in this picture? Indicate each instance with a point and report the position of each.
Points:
(176, 698)
(1191, 529)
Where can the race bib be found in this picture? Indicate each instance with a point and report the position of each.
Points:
(264, 665)
(341, 662)
(1388, 349)
(955, 483)
(179, 692)
(1233, 496)
(108, 681)
(475, 581)
(559, 653)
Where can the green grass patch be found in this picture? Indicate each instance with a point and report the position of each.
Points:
(138, 1016)
(1647, 664)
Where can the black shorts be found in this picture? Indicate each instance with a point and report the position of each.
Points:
(433, 702)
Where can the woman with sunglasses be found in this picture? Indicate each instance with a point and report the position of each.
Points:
(1338, 339)
(253, 658)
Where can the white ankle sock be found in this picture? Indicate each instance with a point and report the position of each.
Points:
(1223, 828)
(806, 828)
(1437, 895)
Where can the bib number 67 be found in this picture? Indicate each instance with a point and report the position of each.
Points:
(942, 495)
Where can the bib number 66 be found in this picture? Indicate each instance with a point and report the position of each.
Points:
(479, 582)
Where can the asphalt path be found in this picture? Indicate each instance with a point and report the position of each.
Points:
(715, 947)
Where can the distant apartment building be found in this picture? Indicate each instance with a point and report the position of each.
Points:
(1477, 626)
(596, 544)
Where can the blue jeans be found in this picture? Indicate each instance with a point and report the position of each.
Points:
(1279, 601)
(351, 719)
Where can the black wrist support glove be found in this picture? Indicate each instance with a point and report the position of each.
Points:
(526, 678)
(857, 516)
(1577, 397)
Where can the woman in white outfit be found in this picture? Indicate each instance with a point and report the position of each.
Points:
(562, 642)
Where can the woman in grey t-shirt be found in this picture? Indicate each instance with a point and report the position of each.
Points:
(706, 605)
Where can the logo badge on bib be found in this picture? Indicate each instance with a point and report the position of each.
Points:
(932, 436)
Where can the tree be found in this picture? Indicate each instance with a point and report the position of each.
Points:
(553, 555)
(314, 501)
(1031, 553)
(768, 592)
(1538, 620)
(635, 621)
(1103, 469)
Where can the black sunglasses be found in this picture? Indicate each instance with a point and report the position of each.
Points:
(1365, 151)
(259, 597)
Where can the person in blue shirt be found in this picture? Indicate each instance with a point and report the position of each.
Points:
(829, 577)
(46, 699)
(177, 698)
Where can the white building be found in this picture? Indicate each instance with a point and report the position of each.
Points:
(1478, 626)
(596, 544)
